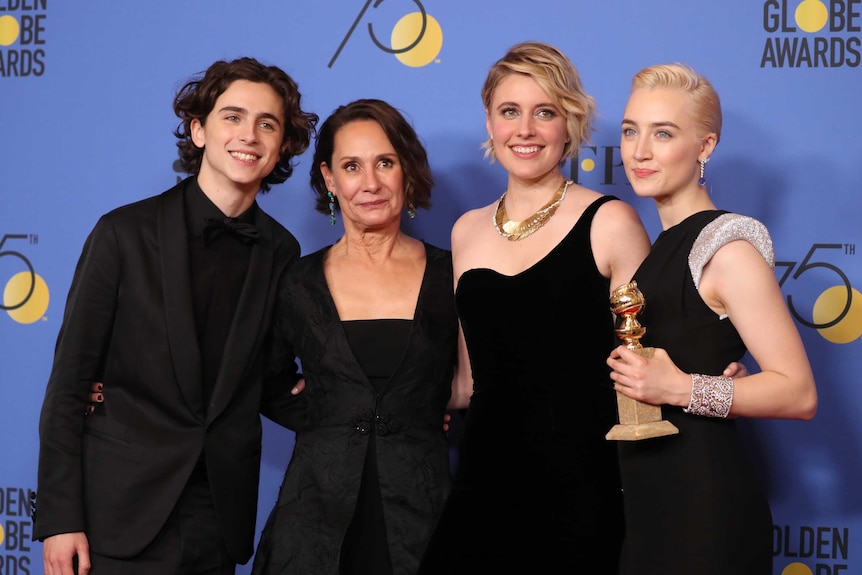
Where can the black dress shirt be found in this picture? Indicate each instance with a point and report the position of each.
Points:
(218, 270)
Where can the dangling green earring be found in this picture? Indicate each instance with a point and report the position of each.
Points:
(331, 197)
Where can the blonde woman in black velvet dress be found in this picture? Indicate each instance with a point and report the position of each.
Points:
(537, 486)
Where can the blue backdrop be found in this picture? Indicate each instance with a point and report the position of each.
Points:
(85, 126)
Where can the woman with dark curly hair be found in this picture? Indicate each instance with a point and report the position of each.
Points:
(372, 320)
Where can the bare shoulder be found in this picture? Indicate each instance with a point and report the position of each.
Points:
(617, 221)
(620, 241)
(617, 214)
(612, 215)
(471, 238)
(471, 221)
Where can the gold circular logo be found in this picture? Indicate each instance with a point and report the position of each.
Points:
(407, 30)
(17, 289)
(9, 29)
(829, 305)
(811, 15)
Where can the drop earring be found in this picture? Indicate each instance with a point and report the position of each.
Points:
(331, 197)
(702, 179)
(411, 211)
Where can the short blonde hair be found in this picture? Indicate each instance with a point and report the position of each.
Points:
(706, 105)
(554, 72)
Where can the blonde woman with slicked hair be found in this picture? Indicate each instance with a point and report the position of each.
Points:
(693, 501)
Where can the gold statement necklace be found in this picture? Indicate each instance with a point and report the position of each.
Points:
(514, 231)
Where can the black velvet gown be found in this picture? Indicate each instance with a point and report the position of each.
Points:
(693, 502)
(537, 487)
(371, 467)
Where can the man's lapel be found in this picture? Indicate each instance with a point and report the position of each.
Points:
(177, 287)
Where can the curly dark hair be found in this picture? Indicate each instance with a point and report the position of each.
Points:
(197, 98)
(411, 153)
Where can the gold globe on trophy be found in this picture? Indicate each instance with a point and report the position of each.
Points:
(638, 420)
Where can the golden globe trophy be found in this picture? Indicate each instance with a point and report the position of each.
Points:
(638, 420)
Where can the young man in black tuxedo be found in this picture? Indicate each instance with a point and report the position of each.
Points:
(170, 307)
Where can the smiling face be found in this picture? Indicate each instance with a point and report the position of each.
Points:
(660, 145)
(366, 176)
(241, 138)
(528, 130)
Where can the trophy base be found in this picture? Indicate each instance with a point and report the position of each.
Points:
(639, 421)
(637, 431)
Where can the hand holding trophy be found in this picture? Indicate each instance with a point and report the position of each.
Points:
(638, 420)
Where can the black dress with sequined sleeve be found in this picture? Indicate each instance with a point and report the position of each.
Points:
(693, 502)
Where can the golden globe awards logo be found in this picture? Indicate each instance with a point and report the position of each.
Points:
(811, 550)
(24, 294)
(16, 529)
(836, 312)
(22, 37)
(415, 38)
(812, 34)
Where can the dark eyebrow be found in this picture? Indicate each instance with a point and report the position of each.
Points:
(268, 116)
(236, 109)
(377, 158)
(240, 110)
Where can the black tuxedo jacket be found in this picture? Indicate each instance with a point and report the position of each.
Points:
(129, 322)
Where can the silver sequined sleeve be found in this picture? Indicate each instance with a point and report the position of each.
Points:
(725, 229)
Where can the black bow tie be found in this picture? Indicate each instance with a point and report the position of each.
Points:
(246, 233)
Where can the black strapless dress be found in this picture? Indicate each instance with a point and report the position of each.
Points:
(537, 487)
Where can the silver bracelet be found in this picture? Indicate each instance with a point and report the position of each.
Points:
(711, 395)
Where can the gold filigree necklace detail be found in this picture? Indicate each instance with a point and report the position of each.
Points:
(514, 231)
